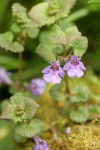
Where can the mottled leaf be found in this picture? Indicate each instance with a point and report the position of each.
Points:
(6, 42)
(45, 50)
(29, 129)
(80, 46)
(60, 8)
(57, 36)
(39, 15)
(19, 108)
(20, 12)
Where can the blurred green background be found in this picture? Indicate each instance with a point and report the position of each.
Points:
(85, 14)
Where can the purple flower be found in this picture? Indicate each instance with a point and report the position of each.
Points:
(37, 86)
(53, 73)
(4, 76)
(74, 67)
(40, 144)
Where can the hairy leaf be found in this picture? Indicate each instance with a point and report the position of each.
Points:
(6, 42)
(80, 46)
(39, 15)
(32, 32)
(45, 50)
(20, 12)
(19, 108)
(60, 8)
(72, 34)
(58, 36)
(29, 129)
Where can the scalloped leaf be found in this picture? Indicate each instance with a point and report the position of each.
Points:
(28, 130)
(32, 32)
(79, 116)
(6, 42)
(19, 108)
(39, 14)
(57, 36)
(20, 12)
(72, 34)
(60, 8)
(80, 46)
(45, 50)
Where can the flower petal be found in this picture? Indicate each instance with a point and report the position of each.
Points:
(56, 79)
(79, 73)
(71, 72)
(47, 77)
(46, 70)
(67, 66)
(36, 147)
(81, 65)
(61, 72)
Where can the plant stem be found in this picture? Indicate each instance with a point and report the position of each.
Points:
(20, 70)
(67, 90)
(64, 50)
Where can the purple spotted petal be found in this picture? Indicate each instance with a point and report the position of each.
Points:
(53, 73)
(67, 66)
(75, 57)
(81, 66)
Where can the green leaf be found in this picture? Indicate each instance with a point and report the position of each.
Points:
(60, 8)
(20, 12)
(57, 36)
(79, 116)
(16, 47)
(6, 42)
(58, 92)
(15, 28)
(45, 50)
(32, 32)
(19, 108)
(80, 94)
(80, 46)
(72, 34)
(29, 129)
(39, 15)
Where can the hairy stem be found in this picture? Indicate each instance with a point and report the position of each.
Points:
(20, 70)
(64, 50)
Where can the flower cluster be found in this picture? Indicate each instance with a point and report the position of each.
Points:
(37, 87)
(40, 144)
(54, 72)
(4, 76)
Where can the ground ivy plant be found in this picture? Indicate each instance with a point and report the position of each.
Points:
(62, 47)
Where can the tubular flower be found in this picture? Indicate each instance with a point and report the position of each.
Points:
(4, 76)
(40, 144)
(37, 86)
(74, 67)
(53, 73)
